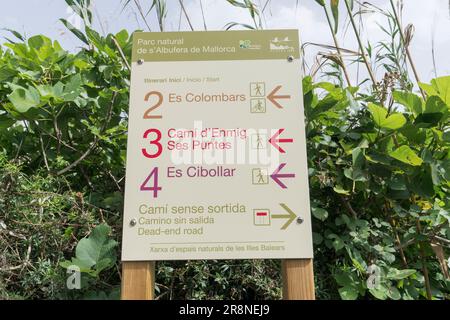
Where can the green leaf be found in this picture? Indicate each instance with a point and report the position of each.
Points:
(379, 293)
(407, 155)
(348, 293)
(75, 31)
(397, 183)
(435, 104)
(97, 247)
(24, 99)
(381, 118)
(73, 88)
(393, 293)
(122, 38)
(395, 274)
(410, 100)
(337, 243)
(39, 41)
(319, 213)
(422, 183)
(6, 73)
(321, 2)
(341, 190)
(16, 34)
(78, 263)
(446, 136)
(95, 38)
(439, 87)
(6, 122)
(317, 238)
(358, 157)
(428, 120)
(335, 11)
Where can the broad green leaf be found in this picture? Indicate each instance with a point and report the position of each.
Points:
(407, 155)
(344, 279)
(439, 87)
(446, 136)
(319, 213)
(435, 111)
(72, 89)
(348, 293)
(397, 183)
(122, 37)
(321, 2)
(96, 247)
(379, 114)
(6, 73)
(355, 174)
(394, 121)
(76, 263)
(410, 100)
(422, 183)
(24, 99)
(428, 120)
(358, 158)
(395, 274)
(317, 238)
(337, 243)
(39, 41)
(379, 293)
(6, 122)
(442, 84)
(435, 104)
(393, 293)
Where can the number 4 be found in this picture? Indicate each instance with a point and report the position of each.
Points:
(154, 188)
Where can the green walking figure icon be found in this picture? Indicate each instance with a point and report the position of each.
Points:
(259, 176)
(258, 106)
(258, 90)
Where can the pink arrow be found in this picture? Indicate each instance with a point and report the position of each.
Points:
(276, 175)
(274, 141)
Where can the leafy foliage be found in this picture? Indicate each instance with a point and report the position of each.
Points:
(94, 253)
(371, 171)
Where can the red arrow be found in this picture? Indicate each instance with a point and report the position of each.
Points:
(276, 175)
(274, 141)
(273, 97)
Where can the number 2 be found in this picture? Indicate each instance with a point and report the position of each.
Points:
(158, 104)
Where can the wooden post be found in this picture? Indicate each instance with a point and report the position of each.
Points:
(298, 279)
(138, 280)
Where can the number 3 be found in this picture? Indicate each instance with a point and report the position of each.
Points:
(153, 142)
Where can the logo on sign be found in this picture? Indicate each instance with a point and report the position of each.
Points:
(247, 44)
(281, 44)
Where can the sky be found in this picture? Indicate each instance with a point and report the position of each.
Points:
(431, 21)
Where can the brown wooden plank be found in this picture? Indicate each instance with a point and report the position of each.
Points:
(138, 280)
(298, 279)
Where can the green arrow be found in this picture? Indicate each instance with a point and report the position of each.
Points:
(290, 216)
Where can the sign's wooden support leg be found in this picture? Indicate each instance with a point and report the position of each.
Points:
(298, 279)
(138, 280)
